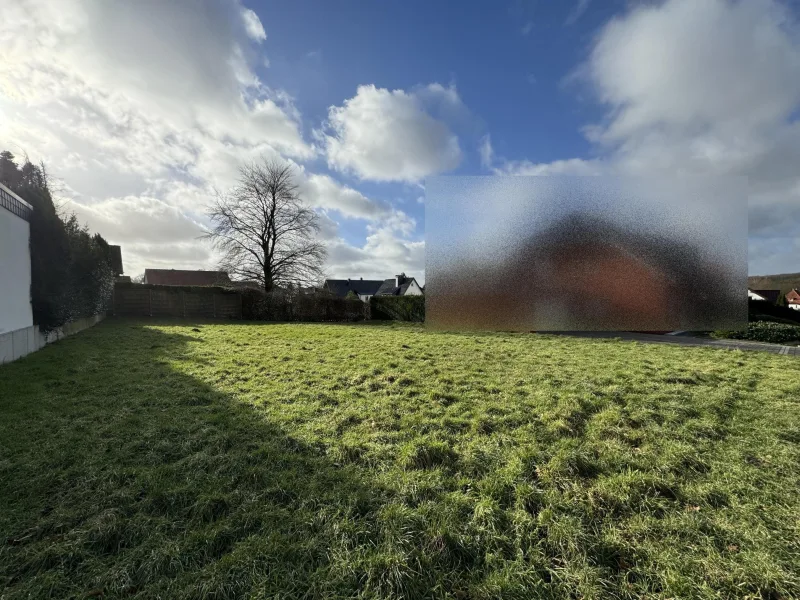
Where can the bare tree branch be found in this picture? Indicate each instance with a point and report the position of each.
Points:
(264, 231)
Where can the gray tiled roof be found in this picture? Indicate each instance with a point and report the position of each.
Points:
(388, 288)
(362, 287)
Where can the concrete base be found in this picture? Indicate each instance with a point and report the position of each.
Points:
(19, 343)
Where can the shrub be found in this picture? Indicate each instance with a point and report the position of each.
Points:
(71, 274)
(398, 308)
(764, 331)
(760, 310)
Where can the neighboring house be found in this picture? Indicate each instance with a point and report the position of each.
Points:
(770, 296)
(16, 315)
(116, 260)
(363, 288)
(793, 299)
(400, 285)
(586, 273)
(185, 277)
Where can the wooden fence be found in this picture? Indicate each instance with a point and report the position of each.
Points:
(166, 301)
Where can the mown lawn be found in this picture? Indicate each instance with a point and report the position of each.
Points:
(143, 460)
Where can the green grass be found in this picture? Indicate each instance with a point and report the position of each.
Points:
(381, 461)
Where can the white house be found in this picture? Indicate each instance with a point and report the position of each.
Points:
(17, 333)
(793, 299)
(400, 285)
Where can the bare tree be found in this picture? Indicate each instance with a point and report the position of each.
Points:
(264, 230)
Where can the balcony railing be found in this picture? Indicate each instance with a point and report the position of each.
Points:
(13, 203)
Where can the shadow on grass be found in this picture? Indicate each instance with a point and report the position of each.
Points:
(123, 476)
(126, 472)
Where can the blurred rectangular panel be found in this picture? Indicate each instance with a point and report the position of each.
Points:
(586, 253)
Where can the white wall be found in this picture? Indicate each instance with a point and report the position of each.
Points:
(413, 290)
(15, 273)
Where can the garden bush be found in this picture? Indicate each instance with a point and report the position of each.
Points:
(398, 308)
(764, 331)
(71, 273)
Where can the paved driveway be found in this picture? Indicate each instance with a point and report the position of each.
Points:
(685, 340)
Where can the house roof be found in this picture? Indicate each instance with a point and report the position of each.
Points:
(769, 295)
(794, 293)
(185, 277)
(362, 287)
(388, 287)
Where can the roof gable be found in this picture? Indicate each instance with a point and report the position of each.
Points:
(362, 287)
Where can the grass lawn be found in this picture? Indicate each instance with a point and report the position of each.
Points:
(174, 460)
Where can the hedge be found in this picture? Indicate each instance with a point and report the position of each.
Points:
(759, 310)
(764, 331)
(398, 308)
(71, 274)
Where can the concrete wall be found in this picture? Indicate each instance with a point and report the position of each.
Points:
(15, 273)
(19, 343)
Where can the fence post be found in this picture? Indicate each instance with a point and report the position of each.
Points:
(183, 301)
(215, 304)
(150, 301)
(241, 307)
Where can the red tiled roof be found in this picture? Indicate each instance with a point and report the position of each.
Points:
(182, 277)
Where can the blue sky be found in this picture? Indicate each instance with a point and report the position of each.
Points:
(143, 111)
(510, 68)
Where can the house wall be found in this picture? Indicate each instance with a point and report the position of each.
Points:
(413, 290)
(19, 343)
(15, 273)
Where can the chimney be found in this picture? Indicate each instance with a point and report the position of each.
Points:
(399, 279)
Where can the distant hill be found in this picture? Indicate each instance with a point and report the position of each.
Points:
(783, 282)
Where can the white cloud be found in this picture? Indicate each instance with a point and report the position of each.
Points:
(572, 166)
(150, 231)
(486, 151)
(324, 192)
(138, 106)
(689, 66)
(386, 135)
(708, 87)
(383, 255)
(253, 26)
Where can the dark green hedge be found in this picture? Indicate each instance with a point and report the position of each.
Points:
(764, 331)
(398, 308)
(71, 273)
(765, 311)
